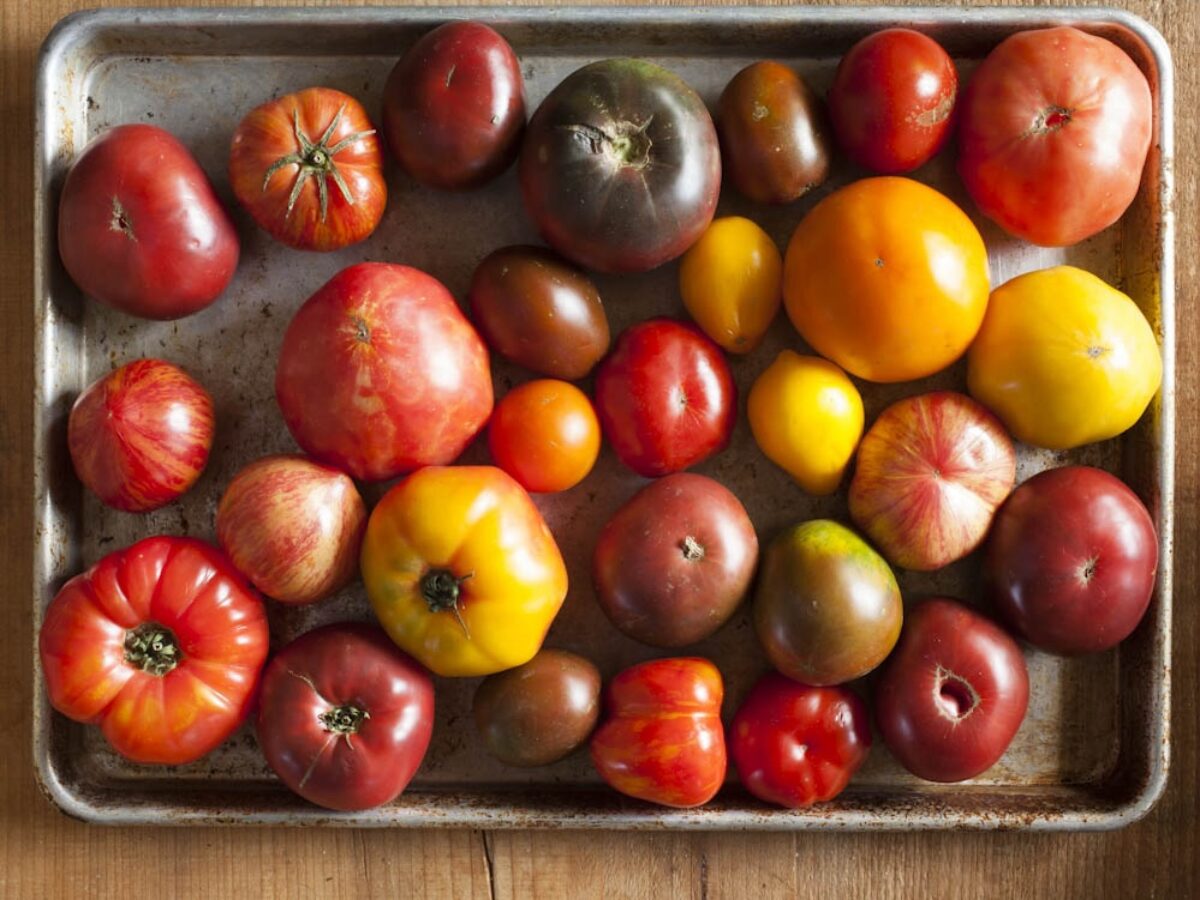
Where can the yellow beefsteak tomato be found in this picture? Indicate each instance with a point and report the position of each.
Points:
(1063, 359)
(462, 571)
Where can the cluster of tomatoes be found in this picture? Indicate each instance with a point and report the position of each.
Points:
(381, 375)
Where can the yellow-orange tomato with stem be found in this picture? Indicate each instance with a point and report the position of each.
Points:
(730, 281)
(887, 278)
(545, 434)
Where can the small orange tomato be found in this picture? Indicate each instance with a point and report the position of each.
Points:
(545, 434)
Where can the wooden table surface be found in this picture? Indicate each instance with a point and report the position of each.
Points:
(43, 853)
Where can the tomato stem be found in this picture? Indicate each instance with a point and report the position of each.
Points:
(344, 720)
(692, 548)
(441, 589)
(152, 648)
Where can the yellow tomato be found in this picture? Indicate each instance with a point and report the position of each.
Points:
(807, 417)
(730, 283)
(887, 278)
(1063, 359)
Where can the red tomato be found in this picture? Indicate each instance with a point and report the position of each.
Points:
(454, 106)
(662, 739)
(1054, 133)
(545, 435)
(665, 397)
(140, 227)
(796, 745)
(380, 373)
(160, 644)
(308, 169)
(345, 717)
(953, 693)
(892, 100)
(140, 436)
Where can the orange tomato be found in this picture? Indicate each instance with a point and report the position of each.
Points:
(545, 435)
(887, 278)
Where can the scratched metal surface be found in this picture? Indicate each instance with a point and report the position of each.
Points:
(1092, 752)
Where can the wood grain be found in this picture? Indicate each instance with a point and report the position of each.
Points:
(44, 854)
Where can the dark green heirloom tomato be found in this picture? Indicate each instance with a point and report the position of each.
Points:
(540, 712)
(827, 607)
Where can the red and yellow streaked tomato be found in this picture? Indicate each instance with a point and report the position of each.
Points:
(545, 434)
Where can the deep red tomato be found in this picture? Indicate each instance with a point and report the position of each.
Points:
(665, 397)
(380, 373)
(140, 436)
(796, 745)
(1071, 559)
(454, 106)
(1055, 126)
(544, 434)
(309, 170)
(892, 100)
(952, 694)
(345, 716)
(140, 227)
(662, 738)
(160, 644)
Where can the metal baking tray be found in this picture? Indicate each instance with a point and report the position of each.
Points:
(1093, 750)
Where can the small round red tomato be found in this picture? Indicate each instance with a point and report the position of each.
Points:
(892, 99)
(345, 717)
(1054, 131)
(953, 694)
(308, 169)
(454, 106)
(140, 436)
(160, 644)
(545, 435)
(662, 739)
(141, 229)
(797, 745)
(665, 397)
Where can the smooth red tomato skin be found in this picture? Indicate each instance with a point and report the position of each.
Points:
(545, 434)
(216, 618)
(796, 745)
(1071, 560)
(140, 228)
(380, 373)
(892, 100)
(944, 642)
(1054, 131)
(268, 134)
(345, 665)
(454, 106)
(665, 397)
(140, 436)
(662, 739)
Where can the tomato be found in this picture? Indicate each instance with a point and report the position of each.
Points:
(1055, 129)
(454, 106)
(380, 373)
(140, 228)
(462, 571)
(665, 397)
(545, 435)
(673, 564)
(539, 311)
(662, 738)
(954, 693)
(892, 100)
(731, 283)
(826, 606)
(887, 278)
(620, 169)
(806, 417)
(160, 644)
(1071, 560)
(541, 712)
(344, 717)
(308, 169)
(775, 140)
(140, 436)
(1063, 359)
(796, 745)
